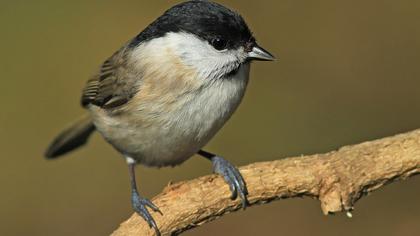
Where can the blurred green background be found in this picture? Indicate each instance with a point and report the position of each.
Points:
(347, 71)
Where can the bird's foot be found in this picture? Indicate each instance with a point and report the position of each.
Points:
(233, 177)
(139, 205)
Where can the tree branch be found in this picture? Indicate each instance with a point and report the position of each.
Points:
(338, 179)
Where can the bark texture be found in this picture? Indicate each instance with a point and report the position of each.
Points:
(338, 179)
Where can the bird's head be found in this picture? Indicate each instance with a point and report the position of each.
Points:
(204, 35)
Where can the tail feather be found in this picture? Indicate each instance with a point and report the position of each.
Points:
(71, 138)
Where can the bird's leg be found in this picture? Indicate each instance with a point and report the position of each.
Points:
(231, 175)
(139, 203)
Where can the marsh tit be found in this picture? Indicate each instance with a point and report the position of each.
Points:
(162, 96)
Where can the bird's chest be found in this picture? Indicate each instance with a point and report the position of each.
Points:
(200, 114)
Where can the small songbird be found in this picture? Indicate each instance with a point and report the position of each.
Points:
(164, 94)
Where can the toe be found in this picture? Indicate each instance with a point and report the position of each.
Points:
(233, 177)
(139, 206)
(230, 180)
(241, 180)
(240, 186)
(152, 206)
(144, 213)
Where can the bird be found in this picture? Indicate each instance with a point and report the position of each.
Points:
(164, 94)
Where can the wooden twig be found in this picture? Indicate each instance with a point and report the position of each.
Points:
(338, 179)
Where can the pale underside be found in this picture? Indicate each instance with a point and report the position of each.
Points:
(181, 102)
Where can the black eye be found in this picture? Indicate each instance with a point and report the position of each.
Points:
(219, 43)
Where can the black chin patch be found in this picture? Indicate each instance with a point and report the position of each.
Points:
(232, 73)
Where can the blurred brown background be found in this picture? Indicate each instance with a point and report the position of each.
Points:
(347, 71)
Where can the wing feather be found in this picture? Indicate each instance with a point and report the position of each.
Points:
(114, 84)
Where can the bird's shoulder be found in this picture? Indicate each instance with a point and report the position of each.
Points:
(113, 85)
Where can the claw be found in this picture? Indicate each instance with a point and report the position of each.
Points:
(233, 177)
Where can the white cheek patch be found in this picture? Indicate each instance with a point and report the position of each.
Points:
(199, 54)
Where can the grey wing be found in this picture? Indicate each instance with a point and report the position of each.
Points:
(114, 85)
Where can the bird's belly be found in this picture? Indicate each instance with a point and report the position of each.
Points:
(164, 143)
(157, 138)
(156, 145)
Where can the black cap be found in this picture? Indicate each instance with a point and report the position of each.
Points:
(206, 19)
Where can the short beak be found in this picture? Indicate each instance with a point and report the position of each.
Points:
(260, 54)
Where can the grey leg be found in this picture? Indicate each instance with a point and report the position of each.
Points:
(139, 203)
(231, 175)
